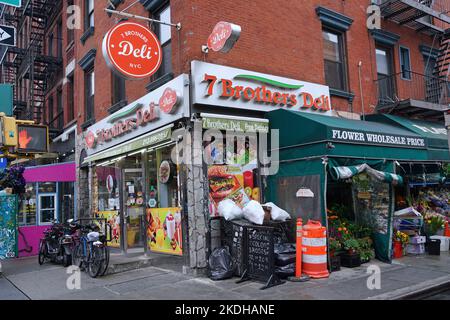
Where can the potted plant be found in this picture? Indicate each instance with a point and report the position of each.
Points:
(433, 223)
(334, 247)
(401, 239)
(365, 249)
(351, 257)
(351, 245)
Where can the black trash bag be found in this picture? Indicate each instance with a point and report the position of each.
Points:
(283, 259)
(220, 264)
(285, 271)
(285, 248)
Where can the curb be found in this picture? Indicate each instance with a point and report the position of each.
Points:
(415, 291)
(142, 263)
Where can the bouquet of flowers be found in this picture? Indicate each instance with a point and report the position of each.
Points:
(13, 178)
(401, 237)
(433, 223)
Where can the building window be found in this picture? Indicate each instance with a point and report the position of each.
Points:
(405, 63)
(50, 44)
(50, 111)
(334, 60)
(118, 88)
(70, 99)
(89, 14)
(164, 33)
(60, 109)
(89, 92)
(70, 30)
(59, 40)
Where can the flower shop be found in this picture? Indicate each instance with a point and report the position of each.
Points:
(350, 170)
(422, 207)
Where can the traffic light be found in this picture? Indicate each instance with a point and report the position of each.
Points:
(8, 130)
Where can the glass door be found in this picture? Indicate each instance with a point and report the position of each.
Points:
(47, 208)
(133, 193)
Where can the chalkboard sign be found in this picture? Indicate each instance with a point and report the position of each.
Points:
(260, 256)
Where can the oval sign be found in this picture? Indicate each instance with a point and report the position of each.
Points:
(132, 50)
(224, 36)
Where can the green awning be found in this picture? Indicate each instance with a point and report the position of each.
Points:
(346, 172)
(307, 135)
(434, 133)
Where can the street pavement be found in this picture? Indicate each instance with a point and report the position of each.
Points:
(25, 279)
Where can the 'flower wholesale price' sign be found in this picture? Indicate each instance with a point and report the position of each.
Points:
(132, 50)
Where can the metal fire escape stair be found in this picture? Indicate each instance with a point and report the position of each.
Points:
(31, 63)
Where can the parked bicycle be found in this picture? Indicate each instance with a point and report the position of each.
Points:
(91, 252)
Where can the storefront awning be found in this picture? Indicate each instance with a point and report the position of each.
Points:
(344, 172)
(303, 135)
(434, 133)
(145, 141)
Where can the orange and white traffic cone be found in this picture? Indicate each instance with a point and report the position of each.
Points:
(299, 252)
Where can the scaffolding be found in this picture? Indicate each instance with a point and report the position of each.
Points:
(27, 66)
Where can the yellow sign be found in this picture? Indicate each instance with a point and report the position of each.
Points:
(113, 219)
(164, 230)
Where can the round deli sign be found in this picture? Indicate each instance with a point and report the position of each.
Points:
(132, 50)
(224, 36)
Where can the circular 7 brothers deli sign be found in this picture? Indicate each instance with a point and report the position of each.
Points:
(132, 50)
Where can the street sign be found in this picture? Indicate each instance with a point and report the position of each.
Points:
(14, 3)
(7, 36)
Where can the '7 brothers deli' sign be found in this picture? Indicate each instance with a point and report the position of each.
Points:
(132, 50)
(154, 110)
(236, 88)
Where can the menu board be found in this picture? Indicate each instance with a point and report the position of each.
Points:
(260, 255)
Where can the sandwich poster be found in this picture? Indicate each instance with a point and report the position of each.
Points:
(113, 219)
(164, 230)
(235, 182)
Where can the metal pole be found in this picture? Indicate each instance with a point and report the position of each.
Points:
(361, 91)
(129, 15)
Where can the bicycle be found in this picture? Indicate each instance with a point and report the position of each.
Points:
(91, 252)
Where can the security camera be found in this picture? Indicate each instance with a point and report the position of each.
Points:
(205, 49)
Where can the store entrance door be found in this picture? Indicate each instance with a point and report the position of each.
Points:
(133, 193)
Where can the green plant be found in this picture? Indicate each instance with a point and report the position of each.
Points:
(433, 223)
(365, 249)
(351, 244)
(334, 244)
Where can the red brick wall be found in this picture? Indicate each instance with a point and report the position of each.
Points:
(282, 39)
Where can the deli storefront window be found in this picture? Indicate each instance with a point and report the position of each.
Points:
(28, 202)
(164, 229)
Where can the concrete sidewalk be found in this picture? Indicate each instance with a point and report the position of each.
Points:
(26, 279)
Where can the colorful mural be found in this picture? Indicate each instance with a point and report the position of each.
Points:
(8, 226)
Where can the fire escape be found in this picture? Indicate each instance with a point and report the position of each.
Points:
(27, 66)
(425, 95)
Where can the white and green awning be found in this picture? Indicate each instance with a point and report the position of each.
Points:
(345, 172)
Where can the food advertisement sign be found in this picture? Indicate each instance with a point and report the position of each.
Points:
(235, 182)
(113, 219)
(164, 233)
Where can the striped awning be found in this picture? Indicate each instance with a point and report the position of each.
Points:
(342, 173)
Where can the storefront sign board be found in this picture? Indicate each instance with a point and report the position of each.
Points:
(234, 125)
(142, 116)
(377, 138)
(234, 88)
(136, 144)
(132, 50)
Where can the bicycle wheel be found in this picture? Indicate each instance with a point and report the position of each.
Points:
(42, 252)
(95, 261)
(77, 255)
(105, 261)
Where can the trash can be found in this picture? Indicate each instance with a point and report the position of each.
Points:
(434, 247)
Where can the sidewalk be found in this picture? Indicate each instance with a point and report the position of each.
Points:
(405, 276)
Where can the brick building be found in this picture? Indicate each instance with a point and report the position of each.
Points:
(322, 42)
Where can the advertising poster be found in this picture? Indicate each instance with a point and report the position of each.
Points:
(164, 230)
(235, 182)
(113, 219)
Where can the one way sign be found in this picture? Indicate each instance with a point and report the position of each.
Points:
(7, 36)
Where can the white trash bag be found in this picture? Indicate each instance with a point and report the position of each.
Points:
(277, 214)
(229, 210)
(254, 212)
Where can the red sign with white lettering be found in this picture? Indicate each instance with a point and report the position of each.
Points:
(223, 36)
(168, 101)
(132, 50)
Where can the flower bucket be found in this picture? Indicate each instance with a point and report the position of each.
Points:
(398, 250)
